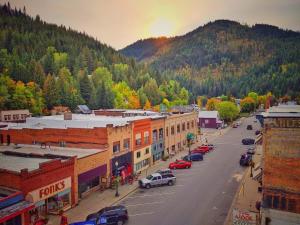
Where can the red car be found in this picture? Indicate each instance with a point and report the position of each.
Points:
(180, 164)
(201, 151)
(210, 146)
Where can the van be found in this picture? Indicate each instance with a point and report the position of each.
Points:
(193, 157)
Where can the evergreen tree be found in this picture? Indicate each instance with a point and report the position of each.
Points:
(50, 92)
(85, 88)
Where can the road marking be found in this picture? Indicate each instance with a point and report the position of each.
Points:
(149, 203)
(143, 196)
(141, 214)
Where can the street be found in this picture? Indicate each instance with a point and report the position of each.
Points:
(202, 194)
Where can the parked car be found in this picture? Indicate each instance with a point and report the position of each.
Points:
(180, 164)
(109, 215)
(199, 151)
(210, 146)
(245, 159)
(257, 132)
(204, 148)
(156, 179)
(251, 151)
(248, 141)
(249, 127)
(234, 125)
(164, 171)
(193, 157)
(84, 223)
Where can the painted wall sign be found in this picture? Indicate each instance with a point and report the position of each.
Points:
(49, 190)
(282, 123)
(243, 217)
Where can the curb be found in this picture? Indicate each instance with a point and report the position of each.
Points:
(235, 198)
(121, 198)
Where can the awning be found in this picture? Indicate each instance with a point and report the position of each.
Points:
(15, 210)
(257, 174)
(258, 139)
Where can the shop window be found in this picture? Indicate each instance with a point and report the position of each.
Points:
(8, 139)
(275, 202)
(138, 154)
(1, 138)
(138, 139)
(147, 151)
(59, 202)
(268, 201)
(283, 203)
(146, 137)
(167, 131)
(183, 126)
(161, 133)
(172, 130)
(179, 145)
(291, 205)
(116, 147)
(84, 187)
(173, 148)
(188, 125)
(126, 144)
(160, 145)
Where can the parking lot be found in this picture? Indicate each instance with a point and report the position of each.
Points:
(202, 194)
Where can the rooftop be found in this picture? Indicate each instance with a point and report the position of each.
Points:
(208, 114)
(283, 111)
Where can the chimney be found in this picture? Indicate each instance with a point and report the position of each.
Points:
(67, 116)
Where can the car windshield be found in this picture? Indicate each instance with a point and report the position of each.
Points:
(150, 177)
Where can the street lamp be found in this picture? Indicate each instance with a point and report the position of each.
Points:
(117, 179)
(189, 138)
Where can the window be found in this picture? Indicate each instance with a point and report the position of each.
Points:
(178, 145)
(154, 135)
(62, 144)
(147, 151)
(206, 121)
(188, 125)
(183, 126)
(161, 133)
(15, 117)
(192, 124)
(146, 137)
(275, 202)
(172, 130)
(116, 147)
(138, 139)
(167, 131)
(138, 154)
(267, 201)
(161, 145)
(291, 205)
(178, 128)
(126, 144)
(283, 203)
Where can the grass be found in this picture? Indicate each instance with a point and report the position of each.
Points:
(244, 114)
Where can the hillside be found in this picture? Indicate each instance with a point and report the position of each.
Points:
(44, 65)
(225, 57)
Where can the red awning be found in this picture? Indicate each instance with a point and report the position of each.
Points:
(15, 210)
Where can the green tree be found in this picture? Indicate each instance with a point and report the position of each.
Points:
(228, 111)
(152, 91)
(50, 92)
(85, 88)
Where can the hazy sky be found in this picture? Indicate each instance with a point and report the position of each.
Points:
(119, 23)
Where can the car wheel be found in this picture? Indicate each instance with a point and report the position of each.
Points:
(170, 183)
(120, 222)
(148, 186)
(187, 167)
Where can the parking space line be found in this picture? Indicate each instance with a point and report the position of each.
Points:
(141, 214)
(147, 203)
(147, 195)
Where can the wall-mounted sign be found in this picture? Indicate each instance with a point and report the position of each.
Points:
(243, 217)
(49, 190)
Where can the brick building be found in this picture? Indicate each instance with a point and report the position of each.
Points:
(157, 147)
(14, 115)
(177, 126)
(281, 166)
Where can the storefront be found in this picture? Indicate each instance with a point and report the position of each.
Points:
(91, 180)
(122, 166)
(51, 199)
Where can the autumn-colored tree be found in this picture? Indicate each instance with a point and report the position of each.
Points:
(212, 103)
(254, 96)
(247, 104)
(147, 105)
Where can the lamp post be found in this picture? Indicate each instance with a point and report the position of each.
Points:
(189, 138)
(117, 179)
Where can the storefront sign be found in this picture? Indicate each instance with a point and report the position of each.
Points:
(49, 190)
(243, 217)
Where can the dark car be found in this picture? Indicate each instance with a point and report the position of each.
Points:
(249, 127)
(251, 151)
(84, 223)
(193, 157)
(245, 159)
(110, 215)
(257, 132)
(248, 141)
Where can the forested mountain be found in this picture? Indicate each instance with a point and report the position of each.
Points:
(44, 65)
(225, 57)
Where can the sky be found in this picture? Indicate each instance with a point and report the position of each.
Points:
(119, 23)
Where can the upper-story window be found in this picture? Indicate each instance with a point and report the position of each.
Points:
(161, 133)
(192, 123)
(188, 125)
(183, 126)
(172, 130)
(116, 147)
(167, 131)
(138, 139)
(154, 135)
(178, 128)
(146, 137)
(126, 144)
(138, 154)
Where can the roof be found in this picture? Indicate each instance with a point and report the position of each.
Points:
(56, 151)
(84, 109)
(283, 111)
(208, 114)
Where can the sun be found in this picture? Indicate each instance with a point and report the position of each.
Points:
(162, 27)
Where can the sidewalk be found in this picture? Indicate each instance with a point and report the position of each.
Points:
(98, 200)
(247, 193)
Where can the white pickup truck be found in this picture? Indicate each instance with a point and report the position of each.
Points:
(157, 179)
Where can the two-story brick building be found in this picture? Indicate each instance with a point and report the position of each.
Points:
(281, 166)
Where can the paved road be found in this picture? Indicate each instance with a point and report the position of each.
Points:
(203, 194)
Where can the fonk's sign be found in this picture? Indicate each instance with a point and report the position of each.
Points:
(242, 217)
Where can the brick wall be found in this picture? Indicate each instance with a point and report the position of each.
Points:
(140, 127)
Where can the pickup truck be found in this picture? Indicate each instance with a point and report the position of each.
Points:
(157, 179)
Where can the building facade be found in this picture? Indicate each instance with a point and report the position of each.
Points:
(281, 167)
(14, 115)
(157, 147)
(209, 119)
(141, 144)
(177, 126)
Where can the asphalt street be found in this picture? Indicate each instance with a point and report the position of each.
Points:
(203, 194)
